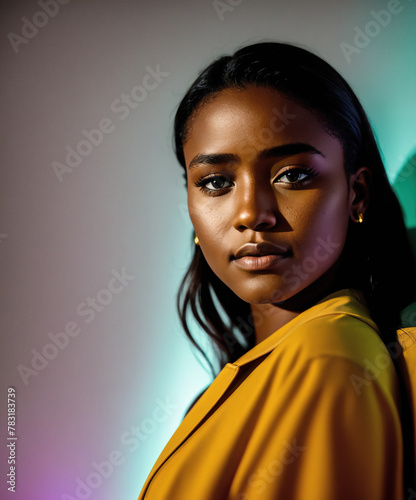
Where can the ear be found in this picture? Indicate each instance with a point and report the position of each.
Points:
(359, 192)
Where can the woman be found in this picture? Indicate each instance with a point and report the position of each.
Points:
(297, 277)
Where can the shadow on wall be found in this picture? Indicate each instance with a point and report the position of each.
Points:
(405, 189)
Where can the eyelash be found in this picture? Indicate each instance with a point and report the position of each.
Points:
(203, 181)
(309, 172)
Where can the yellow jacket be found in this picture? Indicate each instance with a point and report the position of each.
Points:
(309, 413)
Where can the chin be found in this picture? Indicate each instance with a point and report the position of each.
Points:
(270, 289)
(262, 294)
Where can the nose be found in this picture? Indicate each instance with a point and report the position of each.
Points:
(256, 207)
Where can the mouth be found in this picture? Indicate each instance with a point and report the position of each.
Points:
(259, 256)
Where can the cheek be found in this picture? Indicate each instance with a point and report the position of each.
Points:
(209, 222)
(321, 226)
(211, 228)
(211, 237)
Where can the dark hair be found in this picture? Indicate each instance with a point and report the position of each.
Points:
(377, 255)
(377, 258)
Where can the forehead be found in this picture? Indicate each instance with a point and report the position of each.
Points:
(254, 117)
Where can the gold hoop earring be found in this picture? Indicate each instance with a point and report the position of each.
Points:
(196, 240)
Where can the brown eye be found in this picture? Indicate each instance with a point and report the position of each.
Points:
(217, 183)
(294, 176)
(214, 183)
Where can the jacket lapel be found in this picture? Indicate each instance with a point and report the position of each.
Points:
(197, 413)
(211, 396)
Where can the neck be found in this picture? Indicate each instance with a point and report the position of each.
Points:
(270, 317)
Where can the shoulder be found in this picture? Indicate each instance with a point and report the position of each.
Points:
(339, 333)
(338, 326)
(336, 334)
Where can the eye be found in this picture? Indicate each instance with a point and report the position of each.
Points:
(213, 183)
(295, 176)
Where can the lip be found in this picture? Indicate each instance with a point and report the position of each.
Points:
(260, 263)
(259, 256)
(259, 250)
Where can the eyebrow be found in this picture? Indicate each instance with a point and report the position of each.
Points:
(276, 152)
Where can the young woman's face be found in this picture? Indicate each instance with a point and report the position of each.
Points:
(267, 193)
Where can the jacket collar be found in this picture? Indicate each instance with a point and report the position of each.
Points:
(346, 301)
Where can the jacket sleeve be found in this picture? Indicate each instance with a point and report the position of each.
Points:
(328, 430)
